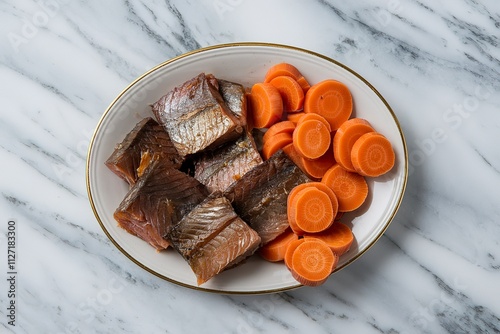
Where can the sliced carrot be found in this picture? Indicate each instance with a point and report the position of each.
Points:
(265, 105)
(290, 91)
(294, 118)
(312, 262)
(292, 153)
(313, 210)
(331, 99)
(286, 69)
(274, 250)
(311, 139)
(327, 190)
(350, 188)
(316, 168)
(275, 143)
(318, 185)
(344, 140)
(372, 155)
(303, 83)
(292, 207)
(316, 117)
(338, 237)
(280, 127)
(289, 251)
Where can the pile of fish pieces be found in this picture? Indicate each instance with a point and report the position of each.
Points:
(197, 180)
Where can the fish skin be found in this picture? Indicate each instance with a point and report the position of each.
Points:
(232, 245)
(212, 238)
(199, 226)
(235, 97)
(220, 168)
(157, 201)
(196, 117)
(260, 196)
(146, 136)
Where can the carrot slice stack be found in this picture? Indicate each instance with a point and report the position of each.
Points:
(265, 105)
(290, 91)
(275, 143)
(312, 262)
(280, 127)
(311, 208)
(275, 250)
(286, 69)
(344, 140)
(338, 237)
(317, 117)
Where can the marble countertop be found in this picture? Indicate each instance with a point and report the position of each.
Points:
(435, 270)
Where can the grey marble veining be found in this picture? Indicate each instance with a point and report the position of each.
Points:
(435, 270)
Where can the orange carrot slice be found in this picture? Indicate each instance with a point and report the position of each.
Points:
(350, 188)
(372, 155)
(294, 118)
(316, 117)
(344, 140)
(275, 143)
(316, 168)
(311, 139)
(292, 206)
(312, 262)
(265, 105)
(313, 210)
(338, 237)
(290, 248)
(291, 92)
(292, 153)
(332, 100)
(280, 127)
(275, 250)
(286, 69)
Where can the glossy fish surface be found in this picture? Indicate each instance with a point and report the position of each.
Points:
(234, 96)
(196, 117)
(220, 168)
(212, 238)
(146, 136)
(260, 196)
(157, 201)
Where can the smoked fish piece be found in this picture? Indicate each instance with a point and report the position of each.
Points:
(159, 199)
(212, 238)
(196, 117)
(146, 136)
(220, 168)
